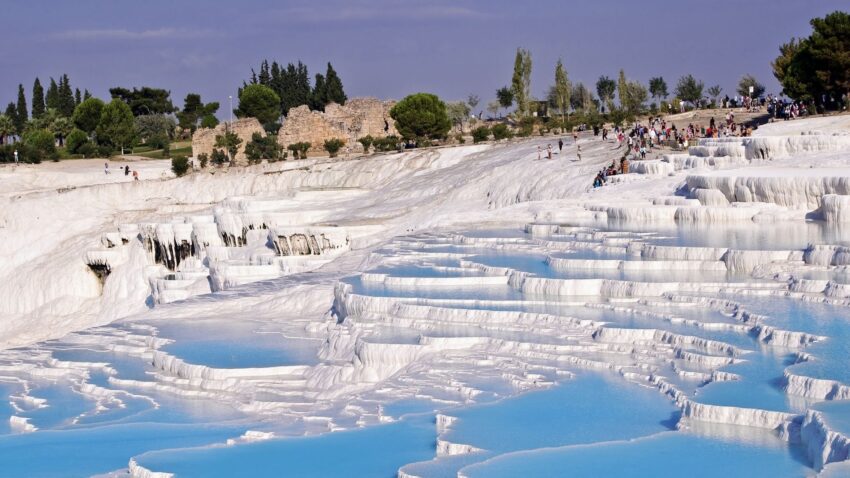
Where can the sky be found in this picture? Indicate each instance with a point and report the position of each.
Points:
(391, 48)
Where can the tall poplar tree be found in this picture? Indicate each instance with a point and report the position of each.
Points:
(521, 81)
(562, 89)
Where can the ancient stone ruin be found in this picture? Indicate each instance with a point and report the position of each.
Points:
(203, 141)
(355, 119)
(359, 117)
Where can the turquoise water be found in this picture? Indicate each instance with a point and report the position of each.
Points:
(375, 451)
(88, 451)
(670, 454)
(597, 423)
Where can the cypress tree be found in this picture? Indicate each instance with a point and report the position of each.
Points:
(302, 85)
(12, 113)
(77, 98)
(52, 97)
(265, 77)
(37, 99)
(66, 97)
(319, 96)
(333, 86)
(86, 95)
(294, 87)
(21, 114)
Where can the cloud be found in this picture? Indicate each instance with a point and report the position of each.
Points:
(378, 11)
(122, 34)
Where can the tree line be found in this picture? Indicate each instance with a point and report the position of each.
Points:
(66, 123)
(275, 90)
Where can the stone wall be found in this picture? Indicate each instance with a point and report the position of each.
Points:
(203, 141)
(359, 117)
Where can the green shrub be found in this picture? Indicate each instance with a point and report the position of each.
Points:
(501, 131)
(263, 147)
(87, 150)
(104, 151)
(158, 141)
(366, 141)
(180, 165)
(219, 157)
(332, 146)
(526, 127)
(76, 139)
(480, 134)
(43, 144)
(299, 150)
(26, 154)
(388, 143)
(203, 159)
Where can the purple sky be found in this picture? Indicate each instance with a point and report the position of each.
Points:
(388, 48)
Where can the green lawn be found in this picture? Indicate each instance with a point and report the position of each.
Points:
(158, 154)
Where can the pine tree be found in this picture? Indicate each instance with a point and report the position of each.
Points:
(21, 114)
(77, 97)
(52, 97)
(37, 99)
(86, 95)
(334, 92)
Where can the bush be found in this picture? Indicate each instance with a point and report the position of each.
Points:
(526, 127)
(263, 147)
(87, 149)
(43, 144)
(501, 131)
(26, 154)
(480, 134)
(219, 157)
(76, 139)
(388, 143)
(460, 139)
(366, 141)
(421, 116)
(332, 146)
(299, 150)
(158, 141)
(203, 159)
(180, 165)
(104, 151)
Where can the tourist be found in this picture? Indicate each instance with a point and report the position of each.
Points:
(624, 165)
(16, 155)
(135, 175)
(539, 152)
(578, 152)
(549, 151)
(126, 170)
(560, 145)
(604, 134)
(106, 168)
